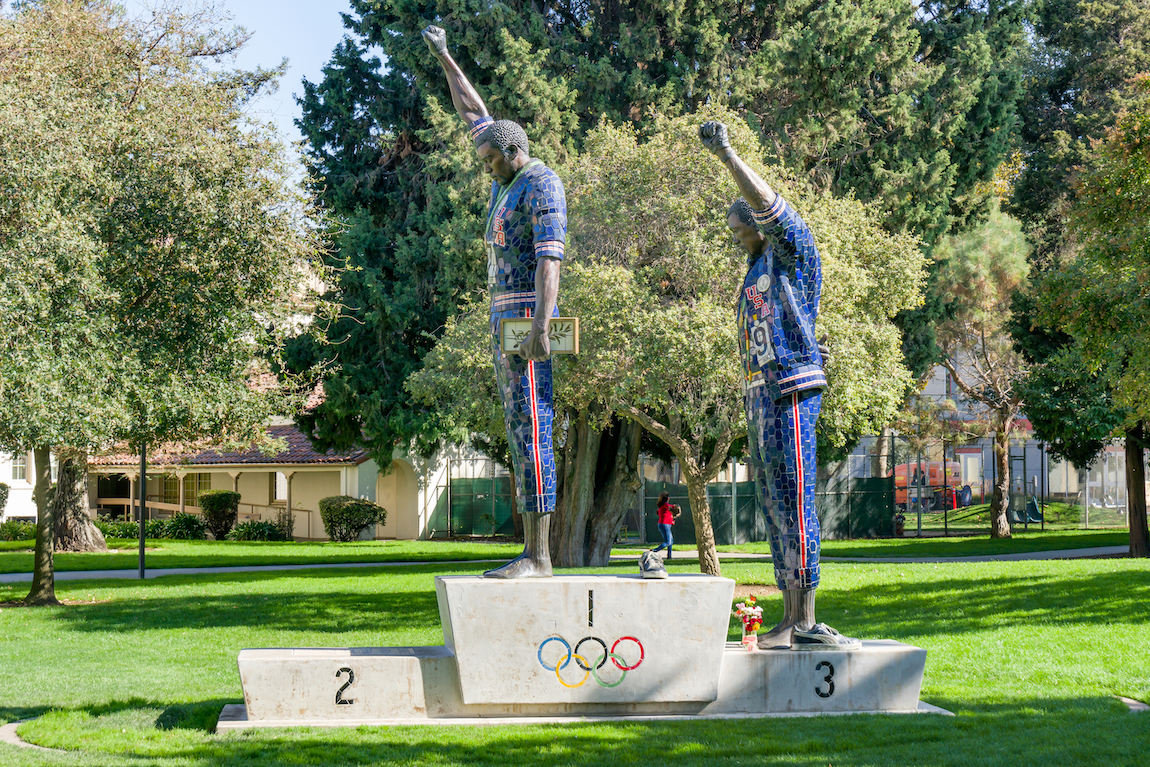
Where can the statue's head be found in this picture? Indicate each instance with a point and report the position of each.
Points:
(741, 221)
(503, 148)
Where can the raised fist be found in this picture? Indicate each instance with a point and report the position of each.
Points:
(436, 40)
(824, 350)
(714, 137)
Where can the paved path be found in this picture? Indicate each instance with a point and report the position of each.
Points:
(687, 554)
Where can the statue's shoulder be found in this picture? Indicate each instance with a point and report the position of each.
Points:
(542, 177)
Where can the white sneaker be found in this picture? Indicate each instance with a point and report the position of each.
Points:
(822, 637)
(651, 565)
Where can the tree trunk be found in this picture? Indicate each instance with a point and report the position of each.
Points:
(573, 509)
(1000, 498)
(74, 529)
(701, 516)
(617, 492)
(43, 575)
(880, 462)
(1136, 493)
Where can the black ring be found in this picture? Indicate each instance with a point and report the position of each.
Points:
(591, 639)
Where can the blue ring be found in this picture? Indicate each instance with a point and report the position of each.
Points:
(555, 638)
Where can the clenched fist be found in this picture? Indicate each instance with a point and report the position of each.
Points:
(714, 137)
(436, 40)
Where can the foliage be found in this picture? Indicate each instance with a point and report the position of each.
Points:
(983, 269)
(345, 517)
(187, 527)
(256, 530)
(908, 106)
(112, 529)
(155, 528)
(4, 490)
(653, 277)
(152, 243)
(219, 508)
(15, 530)
(1082, 59)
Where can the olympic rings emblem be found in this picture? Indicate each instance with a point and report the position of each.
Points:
(590, 669)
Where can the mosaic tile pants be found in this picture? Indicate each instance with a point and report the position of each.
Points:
(781, 439)
(526, 392)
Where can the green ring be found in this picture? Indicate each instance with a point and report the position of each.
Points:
(603, 659)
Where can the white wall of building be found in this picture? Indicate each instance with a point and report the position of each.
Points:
(20, 504)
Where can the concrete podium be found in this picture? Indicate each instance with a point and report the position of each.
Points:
(572, 647)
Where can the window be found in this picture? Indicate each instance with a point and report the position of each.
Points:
(171, 488)
(194, 484)
(20, 467)
(279, 487)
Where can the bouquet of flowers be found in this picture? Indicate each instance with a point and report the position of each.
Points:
(750, 614)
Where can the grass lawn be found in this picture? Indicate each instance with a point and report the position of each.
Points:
(958, 547)
(16, 556)
(1027, 654)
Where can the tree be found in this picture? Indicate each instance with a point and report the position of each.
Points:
(151, 243)
(906, 108)
(653, 277)
(982, 271)
(1100, 300)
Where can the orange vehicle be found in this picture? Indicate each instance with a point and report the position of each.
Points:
(932, 483)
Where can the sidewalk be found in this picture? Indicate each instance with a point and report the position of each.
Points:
(688, 554)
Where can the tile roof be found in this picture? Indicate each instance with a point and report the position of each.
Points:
(299, 451)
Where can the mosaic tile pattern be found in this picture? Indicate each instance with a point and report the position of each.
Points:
(784, 380)
(779, 304)
(526, 391)
(526, 221)
(781, 441)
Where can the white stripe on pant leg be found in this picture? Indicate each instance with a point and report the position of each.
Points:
(535, 436)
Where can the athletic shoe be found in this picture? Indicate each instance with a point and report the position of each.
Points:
(651, 565)
(822, 637)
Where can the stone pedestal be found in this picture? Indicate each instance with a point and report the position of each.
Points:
(572, 648)
(586, 638)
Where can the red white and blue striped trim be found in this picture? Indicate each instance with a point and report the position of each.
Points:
(799, 469)
(480, 125)
(513, 300)
(549, 249)
(813, 379)
(536, 458)
(771, 214)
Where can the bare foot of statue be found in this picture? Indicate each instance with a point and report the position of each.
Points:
(798, 613)
(535, 561)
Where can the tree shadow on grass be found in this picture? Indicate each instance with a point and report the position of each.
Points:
(1021, 732)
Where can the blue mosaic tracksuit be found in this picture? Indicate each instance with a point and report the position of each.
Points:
(784, 382)
(526, 220)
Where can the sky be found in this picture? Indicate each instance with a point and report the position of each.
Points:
(303, 31)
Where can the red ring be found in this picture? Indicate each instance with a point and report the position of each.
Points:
(641, 654)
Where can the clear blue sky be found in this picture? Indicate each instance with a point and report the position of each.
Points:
(303, 31)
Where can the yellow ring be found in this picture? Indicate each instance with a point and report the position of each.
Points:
(586, 673)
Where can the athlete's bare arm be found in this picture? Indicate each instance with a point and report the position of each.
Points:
(537, 345)
(755, 191)
(463, 94)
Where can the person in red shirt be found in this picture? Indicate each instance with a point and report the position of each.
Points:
(668, 512)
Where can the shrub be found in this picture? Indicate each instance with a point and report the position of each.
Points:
(285, 523)
(112, 529)
(15, 530)
(155, 528)
(256, 531)
(345, 517)
(220, 508)
(3, 496)
(185, 527)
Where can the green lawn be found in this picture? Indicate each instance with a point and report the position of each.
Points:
(16, 556)
(958, 547)
(1027, 654)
